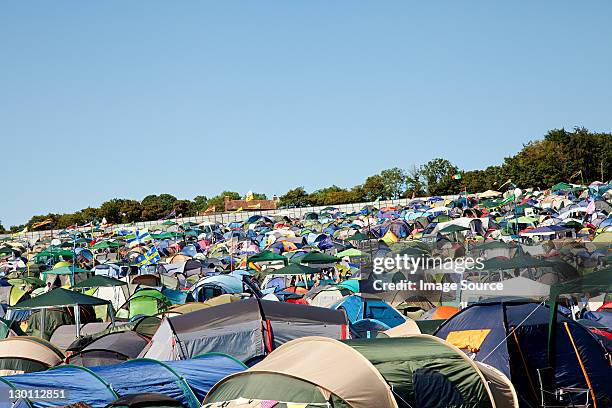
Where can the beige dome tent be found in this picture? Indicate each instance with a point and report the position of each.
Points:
(311, 370)
(26, 354)
(407, 328)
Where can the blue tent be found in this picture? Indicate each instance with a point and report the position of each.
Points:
(512, 336)
(187, 381)
(375, 310)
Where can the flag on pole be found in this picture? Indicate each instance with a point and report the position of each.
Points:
(507, 200)
(172, 214)
(456, 176)
(249, 196)
(40, 224)
(575, 174)
(138, 238)
(150, 257)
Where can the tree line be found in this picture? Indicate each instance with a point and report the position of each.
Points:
(570, 156)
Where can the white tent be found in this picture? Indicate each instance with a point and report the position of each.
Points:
(515, 287)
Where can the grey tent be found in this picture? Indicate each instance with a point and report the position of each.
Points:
(247, 330)
(112, 348)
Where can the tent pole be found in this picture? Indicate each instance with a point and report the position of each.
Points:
(77, 320)
(552, 326)
(43, 313)
(111, 313)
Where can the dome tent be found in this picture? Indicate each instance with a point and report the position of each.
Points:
(236, 329)
(24, 354)
(186, 381)
(512, 336)
(290, 375)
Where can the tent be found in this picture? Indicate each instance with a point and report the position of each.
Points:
(111, 348)
(67, 275)
(63, 336)
(519, 286)
(186, 381)
(99, 281)
(360, 307)
(319, 258)
(247, 330)
(425, 371)
(9, 329)
(327, 295)
(409, 327)
(62, 297)
(512, 337)
(144, 302)
(210, 287)
(24, 354)
(310, 370)
(145, 400)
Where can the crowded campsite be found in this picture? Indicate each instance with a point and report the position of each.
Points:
(494, 299)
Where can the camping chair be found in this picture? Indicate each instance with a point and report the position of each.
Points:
(553, 397)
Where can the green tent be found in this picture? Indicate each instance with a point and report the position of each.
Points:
(144, 302)
(292, 269)
(351, 253)
(561, 187)
(316, 257)
(358, 237)
(350, 284)
(7, 326)
(74, 273)
(449, 229)
(54, 253)
(61, 297)
(27, 280)
(99, 281)
(166, 235)
(419, 368)
(106, 245)
(267, 256)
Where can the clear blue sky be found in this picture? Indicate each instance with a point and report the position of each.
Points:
(130, 98)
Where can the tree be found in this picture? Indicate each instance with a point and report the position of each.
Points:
(374, 188)
(394, 181)
(199, 204)
(218, 200)
(111, 210)
(297, 197)
(438, 174)
(414, 182)
(182, 208)
(131, 211)
(155, 207)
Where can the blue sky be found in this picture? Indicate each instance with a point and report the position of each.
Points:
(125, 99)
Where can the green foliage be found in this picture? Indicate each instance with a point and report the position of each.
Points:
(199, 204)
(297, 197)
(437, 175)
(218, 200)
